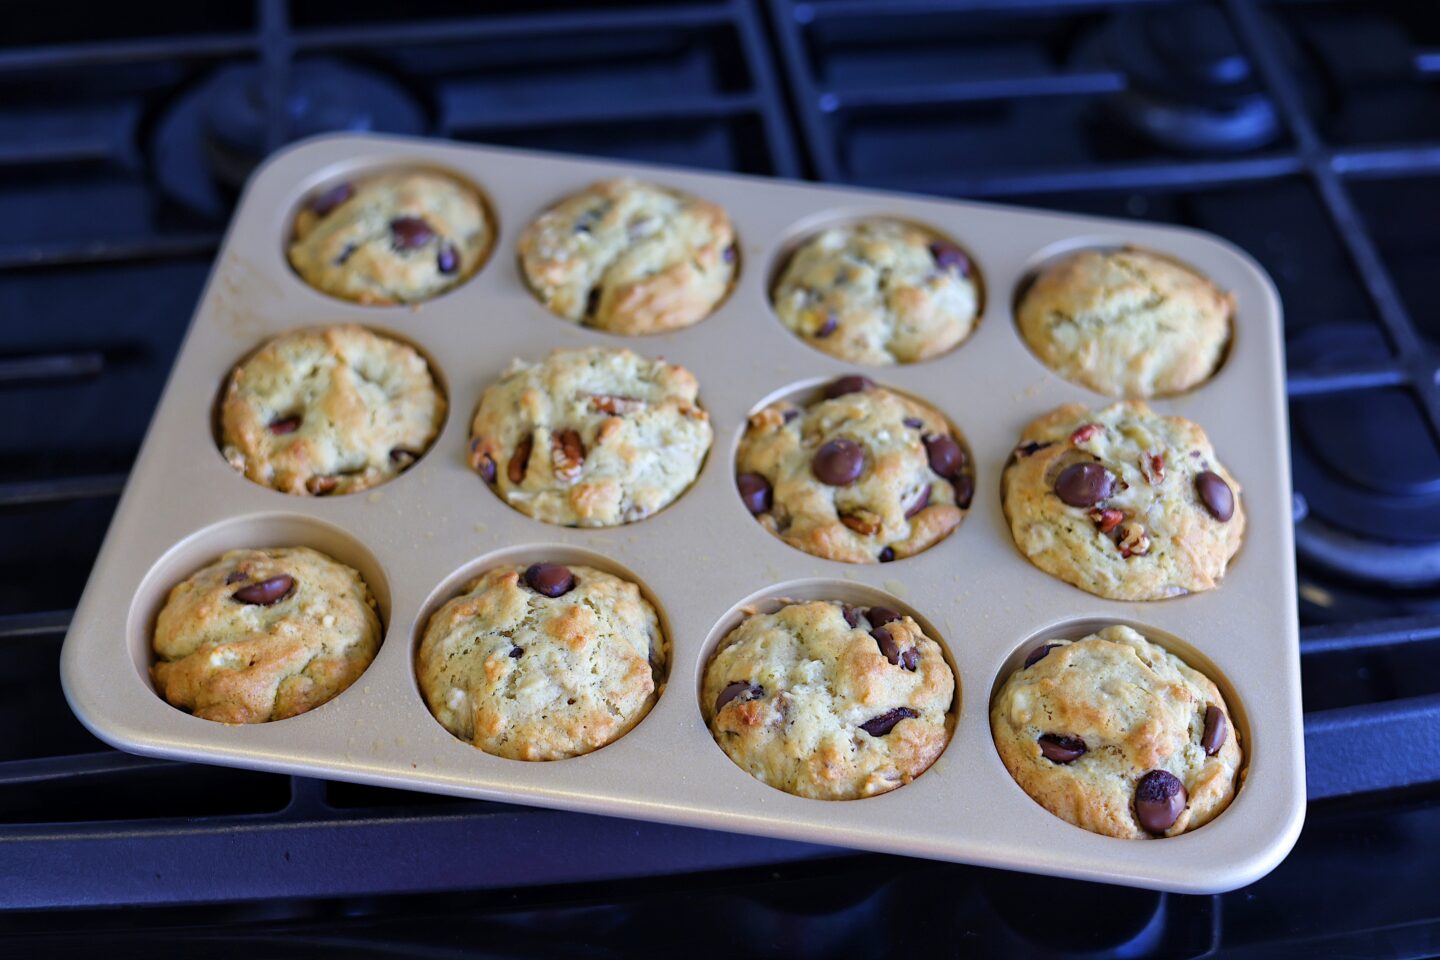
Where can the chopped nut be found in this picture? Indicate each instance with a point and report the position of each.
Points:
(618, 406)
(1106, 519)
(520, 460)
(321, 485)
(1152, 466)
(863, 522)
(1085, 433)
(567, 455)
(1132, 540)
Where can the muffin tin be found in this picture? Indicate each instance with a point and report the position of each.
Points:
(703, 559)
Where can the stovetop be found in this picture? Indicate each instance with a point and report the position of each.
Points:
(1306, 132)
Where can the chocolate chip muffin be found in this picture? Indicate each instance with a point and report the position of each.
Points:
(1122, 502)
(263, 635)
(1118, 736)
(594, 437)
(630, 257)
(330, 410)
(878, 291)
(399, 237)
(862, 475)
(1127, 323)
(829, 701)
(542, 662)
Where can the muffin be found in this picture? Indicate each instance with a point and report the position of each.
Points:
(1122, 502)
(542, 662)
(1116, 735)
(329, 410)
(593, 437)
(263, 635)
(878, 291)
(1127, 323)
(862, 475)
(630, 257)
(399, 237)
(829, 701)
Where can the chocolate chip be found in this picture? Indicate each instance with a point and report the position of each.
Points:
(883, 724)
(487, 468)
(948, 256)
(1215, 727)
(750, 691)
(592, 302)
(879, 616)
(235, 576)
(946, 457)
(887, 644)
(322, 203)
(887, 555)
(730, 254)
(516, 652)
(789, 415)
(410, 233)
(827, 327)
(1159, 800)
(549, 579)
(910, 659)
(1039, 653)
(1216, 495)
(1084, 484)
(345, 253)
(520, 460)
(1031, 448)
(914, 423)
(851, 615)
(838, 462)
(448, 259)
(921, 502)
(285, 425)
(266, 592)
(754, 492)
(964, 491)
(854, 383)
(1061, 749)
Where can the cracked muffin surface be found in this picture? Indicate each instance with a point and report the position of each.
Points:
(542, 662)
(332, 410)
(1116, 735)
(1122, 502)
(879, 292)
(829, 701)
(400, 237)
(262, 635)
(630, 257)
(862, 475)
(1127, 322)
(591, 437)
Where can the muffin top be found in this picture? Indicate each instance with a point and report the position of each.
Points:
(542, 662)
(1127, 323)
(878, 291)
(630, 257)
(592, 437)
(828, 701)
(1116, 735)
(1122, 502)
(399, 237)
(329, 410)
(862, 475)
(264, 634)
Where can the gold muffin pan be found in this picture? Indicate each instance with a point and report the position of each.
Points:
(418, 537)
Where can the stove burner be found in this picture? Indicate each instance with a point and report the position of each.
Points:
(1190, 88)
(214, 134)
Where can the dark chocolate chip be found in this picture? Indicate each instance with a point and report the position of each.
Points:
(285, 425)
(1215, 493)
(964, 490)
(838, 462)
(1061, 749)
(235, 576)
(448, 259)
(914, 423)
(750, 691)
(910, 659)
(730, 254)
(549, 579)
(754, 492)
(887, 644)
(1084, 484)
(887, 555)
(344, 254)
(854, 383)
(1039, 653)
(948, 256)
(323, 203)
(487, 468)
(789, 415)
(1159, 799)
(592, 302)
(520, 460)
(921, 502)
(1215, 727)
(1031, 448)
(516, 652)
(266, 592)
(946, 457)
(851, 615)
(879, 616)
(883, 724)
(410, 233)
(827, 327)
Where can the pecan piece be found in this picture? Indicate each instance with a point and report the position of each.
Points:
(321, 485)
(1152, 466)
(863, 522)
(618, 406)
(1132, 540)
(1106, 519)
(567, 455)
(520, 460)
(1085, 433)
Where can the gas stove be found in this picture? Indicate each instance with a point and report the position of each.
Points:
(1306, 132)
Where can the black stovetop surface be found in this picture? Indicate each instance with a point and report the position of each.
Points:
(1306, 132)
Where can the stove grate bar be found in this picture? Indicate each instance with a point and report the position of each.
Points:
(1186, 174)
(1086, 83)
(18, 492)
(1336, 637)
(120, 250)
(16, 773)
(805, 12)
(46, 623)
(149, 50)
(1312, 383)
(717, 107)
(51, 366)
(1352, 750)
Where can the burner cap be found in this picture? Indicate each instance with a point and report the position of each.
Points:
(214, 134)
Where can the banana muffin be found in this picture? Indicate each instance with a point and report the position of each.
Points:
(878, 291)
(542, 662)
(399, 237)
(830, 701)
(1116, 735)
(862, 475)
(1127, 323)
(1122, 502)
(330, 410)
(263, 635)
(630, 257)
(593, 437)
